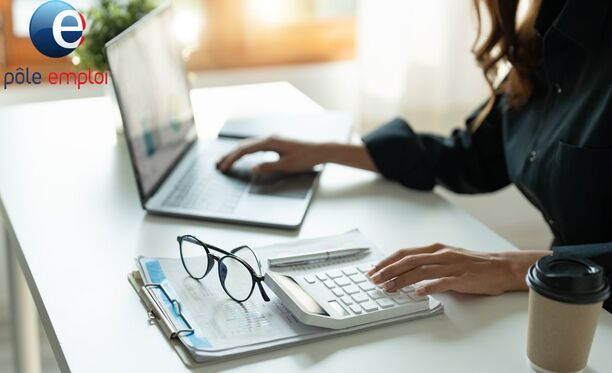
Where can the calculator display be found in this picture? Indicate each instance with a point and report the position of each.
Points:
(306, 302)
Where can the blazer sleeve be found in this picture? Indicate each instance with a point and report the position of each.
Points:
(600, 253)
(464, 162)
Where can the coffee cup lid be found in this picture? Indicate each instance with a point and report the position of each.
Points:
(568, 280)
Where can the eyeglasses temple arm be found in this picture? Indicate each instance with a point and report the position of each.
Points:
(264, 295)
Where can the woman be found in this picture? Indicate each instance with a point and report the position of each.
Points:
(547, 129)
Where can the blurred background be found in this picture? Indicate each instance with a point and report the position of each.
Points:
(374, 58)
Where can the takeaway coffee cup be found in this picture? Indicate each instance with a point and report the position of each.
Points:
(565, 299)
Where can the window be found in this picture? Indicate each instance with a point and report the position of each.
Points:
(240, 33)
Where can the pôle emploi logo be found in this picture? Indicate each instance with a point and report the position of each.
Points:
(56, 29)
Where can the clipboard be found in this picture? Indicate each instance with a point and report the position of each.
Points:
(157, 315)
(167, 312)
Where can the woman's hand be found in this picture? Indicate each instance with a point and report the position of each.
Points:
(297, 156)
(455, 269)
(294, 156)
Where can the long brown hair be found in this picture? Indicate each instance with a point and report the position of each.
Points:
(520, 45)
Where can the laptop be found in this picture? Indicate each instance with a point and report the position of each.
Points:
(175, 171)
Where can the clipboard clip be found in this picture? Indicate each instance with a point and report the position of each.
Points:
(158, 312)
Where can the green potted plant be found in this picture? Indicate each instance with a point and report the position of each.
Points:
(105, 21)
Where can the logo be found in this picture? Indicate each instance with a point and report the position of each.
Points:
(56, 29)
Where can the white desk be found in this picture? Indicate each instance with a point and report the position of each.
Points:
(75, 223)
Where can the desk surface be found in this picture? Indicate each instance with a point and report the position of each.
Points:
(68, 192)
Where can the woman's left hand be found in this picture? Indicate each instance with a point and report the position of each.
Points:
(456, 269)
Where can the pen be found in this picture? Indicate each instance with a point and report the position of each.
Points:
(316, 256)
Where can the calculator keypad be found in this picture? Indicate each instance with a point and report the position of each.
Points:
(351, 289)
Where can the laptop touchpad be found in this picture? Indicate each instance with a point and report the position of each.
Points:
(276, 184)
(283, 185)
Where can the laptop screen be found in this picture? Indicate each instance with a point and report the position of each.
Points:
(153, 94)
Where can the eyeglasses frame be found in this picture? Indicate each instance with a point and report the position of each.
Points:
(256, 279)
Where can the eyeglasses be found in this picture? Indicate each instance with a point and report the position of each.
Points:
(239, 269)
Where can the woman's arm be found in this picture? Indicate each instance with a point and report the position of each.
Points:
(455, 269)
(349, 155)
(464, 162)
(473, 272)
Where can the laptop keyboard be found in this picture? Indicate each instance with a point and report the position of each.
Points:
(204, 188)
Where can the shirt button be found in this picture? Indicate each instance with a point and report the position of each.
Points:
(558, 88)
(551, 222)
(532, 156)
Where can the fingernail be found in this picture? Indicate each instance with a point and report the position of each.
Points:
(376, 277)
(389, 286)
(419, 290)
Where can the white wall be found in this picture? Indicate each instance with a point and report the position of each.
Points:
(416, 62)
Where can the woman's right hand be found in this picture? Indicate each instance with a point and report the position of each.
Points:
(294, 156)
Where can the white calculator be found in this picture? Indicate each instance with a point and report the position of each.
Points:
(342, 297)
